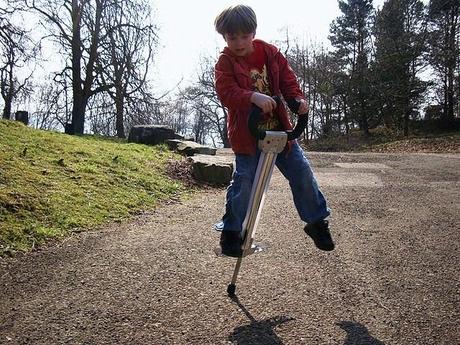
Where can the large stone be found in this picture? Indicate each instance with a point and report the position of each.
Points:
(190, 148)
(151, 134)
(216, 170)
(22, 116)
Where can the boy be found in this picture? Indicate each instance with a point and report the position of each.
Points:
(250, 71)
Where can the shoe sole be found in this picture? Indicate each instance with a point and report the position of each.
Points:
(320, 246)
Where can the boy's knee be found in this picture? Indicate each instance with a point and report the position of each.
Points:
(244, 178)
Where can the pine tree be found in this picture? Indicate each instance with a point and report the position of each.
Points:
(350, 34)
(400, 37)
(444, 16)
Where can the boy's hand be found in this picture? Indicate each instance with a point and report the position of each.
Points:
(303, 107)
(264, 102)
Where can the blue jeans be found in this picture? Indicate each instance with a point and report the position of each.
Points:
(308, 199)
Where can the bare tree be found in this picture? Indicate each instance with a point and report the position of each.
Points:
(76, 26)
(299, 59)
(126, 53)
(319, 76)
(52, 104)
(210, 116)
(176, 114)
(16, 51)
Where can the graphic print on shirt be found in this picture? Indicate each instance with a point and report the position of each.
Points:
(260, 82)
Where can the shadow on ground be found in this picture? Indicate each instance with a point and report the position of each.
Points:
(357, 334)
(257, 332)
(263, 332)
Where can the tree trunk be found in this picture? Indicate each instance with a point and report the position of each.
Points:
(7, 93)
(364, 121)
(406, 121)
(452, 27)
(305, 134)
(345, 117)
(7, 110)
(313, 110)
(79, 100)
(78, 115)
(82, 89)
(119, 121)
(225, 140)
(224, 133)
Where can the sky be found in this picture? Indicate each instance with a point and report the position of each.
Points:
(187, 31)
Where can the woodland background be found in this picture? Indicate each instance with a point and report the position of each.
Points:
(395, 68)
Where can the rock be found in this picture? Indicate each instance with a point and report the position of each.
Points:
(151, 134)
(215, 170)
(189, 148)
(22, 116)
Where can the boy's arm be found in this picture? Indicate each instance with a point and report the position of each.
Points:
(230, 93)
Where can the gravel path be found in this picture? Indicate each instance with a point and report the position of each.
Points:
(393, 278)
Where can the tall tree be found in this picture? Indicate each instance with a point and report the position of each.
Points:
(350, 34)
(126, 53)
(400, 31)
(76, 26)
(322, 82)
(16, 51)
(210, 116)
(444, 43)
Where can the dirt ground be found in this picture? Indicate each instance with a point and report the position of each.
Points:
(393, 278)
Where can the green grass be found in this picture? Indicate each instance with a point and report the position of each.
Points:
(52, 184)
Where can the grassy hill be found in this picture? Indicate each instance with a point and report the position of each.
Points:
(52, 183)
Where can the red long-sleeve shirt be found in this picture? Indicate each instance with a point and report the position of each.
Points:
(234, 88)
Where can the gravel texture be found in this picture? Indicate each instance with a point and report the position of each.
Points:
(393, 278)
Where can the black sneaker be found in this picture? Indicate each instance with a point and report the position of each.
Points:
(231, 243)
(320, 234)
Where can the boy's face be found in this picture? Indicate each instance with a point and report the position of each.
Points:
(240, 44)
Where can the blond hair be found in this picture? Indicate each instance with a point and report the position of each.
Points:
(236, 19)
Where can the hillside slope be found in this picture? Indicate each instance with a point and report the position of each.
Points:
(52, 183)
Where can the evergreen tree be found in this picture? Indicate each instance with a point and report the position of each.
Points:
(400, 37)
(350, 34)
(444, 55)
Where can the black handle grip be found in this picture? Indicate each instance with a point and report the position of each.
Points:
(254, 119)
(302, 120)
(259, 134)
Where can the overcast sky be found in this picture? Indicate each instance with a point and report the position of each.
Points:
(187, 30)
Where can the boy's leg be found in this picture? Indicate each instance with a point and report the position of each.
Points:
(308, 198)
(237, 201)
